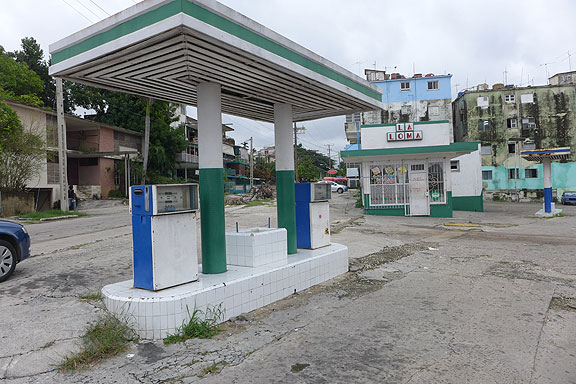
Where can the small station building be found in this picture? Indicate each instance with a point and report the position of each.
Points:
(414, 169)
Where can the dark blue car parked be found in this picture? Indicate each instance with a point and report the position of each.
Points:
(14, 247)
(568, 197)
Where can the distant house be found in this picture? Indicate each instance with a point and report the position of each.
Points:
(235, 158)
(95, 152)
(268, 153)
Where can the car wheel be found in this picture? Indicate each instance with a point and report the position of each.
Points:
(340, 190)
(7, 260)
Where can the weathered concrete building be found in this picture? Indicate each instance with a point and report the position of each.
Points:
(509, 119)
(404, 156)
(94, 154)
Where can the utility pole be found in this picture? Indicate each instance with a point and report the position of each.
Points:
(329, 158)
(251, 163)
(296, 131)
(62, 146)
(146, 139)
(569, 61)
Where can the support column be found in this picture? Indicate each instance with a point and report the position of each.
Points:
(286, 207)
(211, 178)
(62, 146)
(547, 170)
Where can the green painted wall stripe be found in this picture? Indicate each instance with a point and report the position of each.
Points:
(415, 123)
(212, 220)
(468, 203)
(436, 210)
(286, 207)
(453, 147)
(214, 20)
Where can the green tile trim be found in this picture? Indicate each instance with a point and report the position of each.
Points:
(436, 210)
(217, 21)
(286, 207)
(212, 220)
(453, 147)
(442, 210)
(415, 123)
(468, 203)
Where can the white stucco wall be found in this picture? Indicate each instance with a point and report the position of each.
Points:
(432, 134)
(468, 181)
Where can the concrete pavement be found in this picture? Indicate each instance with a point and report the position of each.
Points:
(429, 304)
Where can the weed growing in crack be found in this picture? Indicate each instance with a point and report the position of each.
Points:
(201, 325)
(105, 338)
(92, 297)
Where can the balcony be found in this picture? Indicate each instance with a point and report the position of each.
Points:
(352, 133)
(186, 158)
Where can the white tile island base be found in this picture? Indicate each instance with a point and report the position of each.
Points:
(154, 315)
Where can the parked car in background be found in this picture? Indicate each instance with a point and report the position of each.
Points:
(335, 186)
(568, 197)
(14, 247)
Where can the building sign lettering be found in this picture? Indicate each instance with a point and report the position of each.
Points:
(404, 132)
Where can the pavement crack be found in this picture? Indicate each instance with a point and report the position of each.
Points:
(544, 321)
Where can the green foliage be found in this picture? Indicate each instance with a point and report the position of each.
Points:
(201, 325)
(21, 152)
(116, 194)
(9, 123)
(264, 170)
(18, 82)
(50, 213)
(106, 338)
(312, 165)
(32, 55)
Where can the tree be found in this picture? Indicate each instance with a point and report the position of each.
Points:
(264, 170)
(311, 164)
(18, 82)
(22, 152)
(33, 56)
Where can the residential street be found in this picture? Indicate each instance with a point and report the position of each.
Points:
(491, 303)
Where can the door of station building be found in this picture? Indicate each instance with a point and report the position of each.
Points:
(419, 204)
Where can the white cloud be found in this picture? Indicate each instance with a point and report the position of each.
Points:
(475, 41)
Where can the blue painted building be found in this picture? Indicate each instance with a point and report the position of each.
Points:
(408, 162)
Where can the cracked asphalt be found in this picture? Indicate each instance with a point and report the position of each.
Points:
(423, 303)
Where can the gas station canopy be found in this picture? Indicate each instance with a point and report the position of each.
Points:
(164, 48)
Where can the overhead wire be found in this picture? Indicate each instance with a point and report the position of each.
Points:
(89, 10)
(99, 7)
(80, 13)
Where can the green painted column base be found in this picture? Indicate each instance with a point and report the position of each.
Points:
(212, 220)
(286, 207)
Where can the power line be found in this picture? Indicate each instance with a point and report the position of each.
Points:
(80, 13)
(89, 10)
(102, 9)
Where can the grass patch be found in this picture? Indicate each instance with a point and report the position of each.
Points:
(201, 325)
(91, 297)
(256, 203)
(106, 338)
(48, 214)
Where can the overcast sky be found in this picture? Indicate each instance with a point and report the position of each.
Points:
(476, 41)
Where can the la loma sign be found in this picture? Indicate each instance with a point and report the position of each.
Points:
(404, 132)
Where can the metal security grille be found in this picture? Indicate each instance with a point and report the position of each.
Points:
(389, 185)
(436, 185)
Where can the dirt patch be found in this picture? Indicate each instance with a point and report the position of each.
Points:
(563, 304)
(388, 255)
